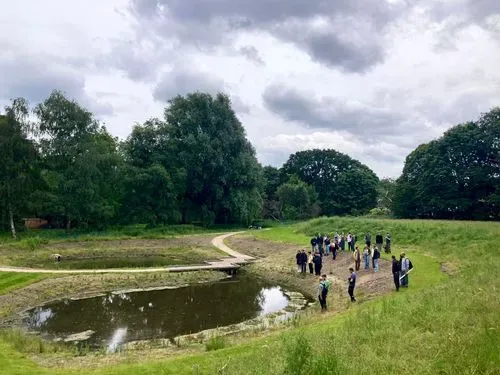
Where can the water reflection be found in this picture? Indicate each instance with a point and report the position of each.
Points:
(121, 317)
(117, 339)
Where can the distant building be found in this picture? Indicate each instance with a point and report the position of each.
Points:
(35, 223)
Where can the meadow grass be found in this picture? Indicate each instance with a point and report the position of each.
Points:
(440, 325)
(32, 239)
(11, 280)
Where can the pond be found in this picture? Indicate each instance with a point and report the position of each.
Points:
(116, 318)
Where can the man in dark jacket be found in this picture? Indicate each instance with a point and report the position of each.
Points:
(313, 244)
(298, 259)
(396, 269)
(318, 263)
(303, 261)
(352, 284)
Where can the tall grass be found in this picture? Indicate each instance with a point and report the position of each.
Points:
(440, 325)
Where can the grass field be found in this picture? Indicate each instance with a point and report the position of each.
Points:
(10, 280)
(443, 324)
(98, 253)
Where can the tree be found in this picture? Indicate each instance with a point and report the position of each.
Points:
(80, 160)
(456, 176)
(223, 176)
(17, 160)
(273, 178)
(344, 185)
(385, 193)
(150, 196)
(297, 200)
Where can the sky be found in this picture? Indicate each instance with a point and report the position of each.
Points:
(369, 78)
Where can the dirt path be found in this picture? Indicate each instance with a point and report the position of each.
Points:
(233, 260)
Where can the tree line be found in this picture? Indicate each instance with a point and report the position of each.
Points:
(195, 165)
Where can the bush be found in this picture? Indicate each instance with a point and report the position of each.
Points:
(33, 243)
(298, 353)
(215, 343)
(379, 212)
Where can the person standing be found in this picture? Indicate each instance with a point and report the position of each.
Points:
(388, 243)
(368, 239)
(366, 257)
(303, 261)
(313, 244)
(319, 242)
(352, 284)
(405, 268)
(322, 292)
(376, 257)
(318, 264)
(327, 245)
(298, 258)
(357, 258)
(349, 241)
(342, 243)
(310, 262)
(396, 269)
(379, 241)
(335, 249)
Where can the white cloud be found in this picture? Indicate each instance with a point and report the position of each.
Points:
(297, 77)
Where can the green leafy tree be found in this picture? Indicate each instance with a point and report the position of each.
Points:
(81, 163)
(456, 176)
(385, 193)
(297, 200)
(273, 178)
(344, 185)
(223, 177)
(18, 161)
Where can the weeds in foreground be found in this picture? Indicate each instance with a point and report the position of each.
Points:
(29, 344)
(215, 343)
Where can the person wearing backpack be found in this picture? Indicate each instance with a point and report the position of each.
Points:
(406, 266)
(323, 286)
(376, 257)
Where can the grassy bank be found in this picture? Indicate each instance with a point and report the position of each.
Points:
(443, 324)
(194, 249)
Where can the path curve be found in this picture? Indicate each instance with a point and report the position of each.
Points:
(234, 260)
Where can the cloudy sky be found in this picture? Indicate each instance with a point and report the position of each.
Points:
(370, 78)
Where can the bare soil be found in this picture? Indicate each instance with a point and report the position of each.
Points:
(276, 261)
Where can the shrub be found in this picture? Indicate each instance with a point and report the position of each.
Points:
(215, 343)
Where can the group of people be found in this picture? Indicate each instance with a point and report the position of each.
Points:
(400, 270)
(324, 287)
(323, 245)
(314, 261)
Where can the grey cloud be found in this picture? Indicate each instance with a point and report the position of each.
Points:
(35, 77)
(251, 53)
(239, 106)
(181, 82)
(458, 15)
(330, 113)
(350, 39)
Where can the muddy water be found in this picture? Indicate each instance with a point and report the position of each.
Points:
(118, 318)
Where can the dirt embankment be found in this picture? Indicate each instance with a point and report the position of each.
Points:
(276, 262)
